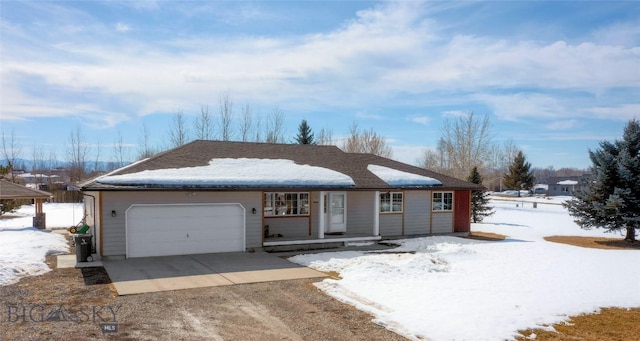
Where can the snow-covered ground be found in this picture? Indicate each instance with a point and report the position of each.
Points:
(23, 248)
(448, 288)
(57, 214)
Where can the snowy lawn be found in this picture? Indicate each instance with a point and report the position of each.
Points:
(448, 288)
(23, 248)
(58, 215)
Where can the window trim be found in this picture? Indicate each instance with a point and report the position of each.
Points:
(270, 199)
(390, 203)
(433, 201)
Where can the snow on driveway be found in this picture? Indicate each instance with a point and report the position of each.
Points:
(448, 288)
(23, 248)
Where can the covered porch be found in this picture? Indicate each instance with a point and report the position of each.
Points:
(13, 191)
(330, 217)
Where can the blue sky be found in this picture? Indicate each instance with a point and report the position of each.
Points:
(555, 77)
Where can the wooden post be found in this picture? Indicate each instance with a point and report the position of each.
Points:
(39, 221)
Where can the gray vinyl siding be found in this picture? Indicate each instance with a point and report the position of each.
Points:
(113, 229)
(289, 226)
(360, 206)
(442, 222)
(417, 212)
(391, 224)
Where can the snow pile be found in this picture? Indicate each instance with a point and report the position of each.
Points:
(395, 177)
(445, 288)
(236, 172)
(23, 251)
(57, 215)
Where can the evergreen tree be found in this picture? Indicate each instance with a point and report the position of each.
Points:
(7, 205)
(520, 175)
(479, 199)
(305, 135)
(611, 199)
(4, 170)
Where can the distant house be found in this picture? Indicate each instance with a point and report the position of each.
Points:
(567, 185)
(39, 181)
(212, 196)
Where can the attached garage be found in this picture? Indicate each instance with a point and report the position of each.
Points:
(180, 229)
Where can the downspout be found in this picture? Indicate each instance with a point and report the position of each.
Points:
(376, 214)
(321, 216)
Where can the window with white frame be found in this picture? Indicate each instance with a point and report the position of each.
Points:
(442, 201)
(391, 202)
(286, 204)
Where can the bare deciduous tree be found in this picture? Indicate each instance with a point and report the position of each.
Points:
(51, 164)
(120, 154)
(178, 134)
(11, 150)
(203, 125)
(247, 123)
(465, 143)
(258, 129)
(97, 154)
(77, 153)
(144, 143)
(38, 163)
(468, 141)
(275, 127)
(325, 136)
(367, 141)
(37, 159)
(226, 117)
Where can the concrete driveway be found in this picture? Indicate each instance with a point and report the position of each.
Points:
(141, 275)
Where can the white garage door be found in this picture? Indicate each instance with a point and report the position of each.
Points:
(181, 229)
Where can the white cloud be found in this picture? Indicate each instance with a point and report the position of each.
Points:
(391, 49)
(618, 34)
(623, 112)
(514, 107)
(454, 113)
(420, 119)
(409, 154)
(562, 125)
(122, 27)
(368, 116)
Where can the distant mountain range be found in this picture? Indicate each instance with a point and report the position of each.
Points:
(27, 165)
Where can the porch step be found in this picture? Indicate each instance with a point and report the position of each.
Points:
(303, 247)
(315, 244)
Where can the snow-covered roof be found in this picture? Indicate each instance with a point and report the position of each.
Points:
(268, 165)
(568, 182)
(395, 177)
(29, 175)
(236, 172)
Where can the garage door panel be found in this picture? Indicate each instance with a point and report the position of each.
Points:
(162, 230)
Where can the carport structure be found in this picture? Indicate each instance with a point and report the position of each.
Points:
(13, 191)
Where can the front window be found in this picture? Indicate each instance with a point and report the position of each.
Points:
(443, 201)
(286, 203)
(391, 202)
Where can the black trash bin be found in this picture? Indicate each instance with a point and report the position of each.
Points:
(83, 247)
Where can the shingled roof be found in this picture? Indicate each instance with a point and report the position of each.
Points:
(10, 190)
(199, 154)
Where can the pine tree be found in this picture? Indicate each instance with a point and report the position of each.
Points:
(611, 199)
(305, 135)
(479, 199)
(7, 205)
(520, 175)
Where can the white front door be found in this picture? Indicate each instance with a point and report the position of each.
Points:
(337, 212)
